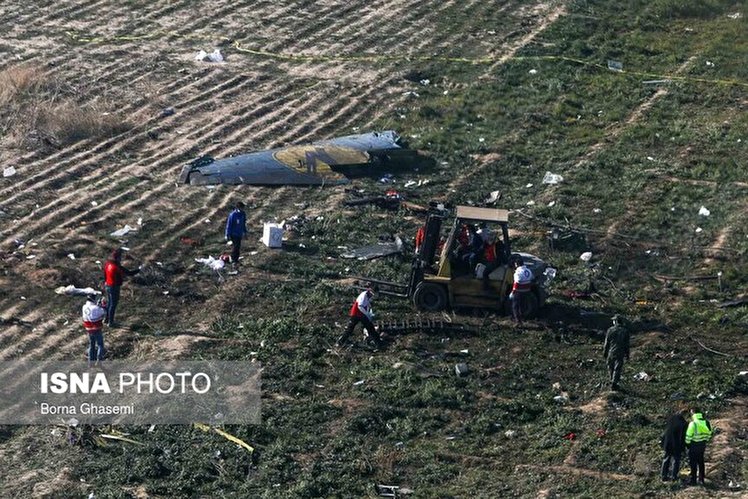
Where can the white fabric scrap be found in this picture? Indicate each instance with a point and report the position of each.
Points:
(552, 178)
(123, 231)
(71, 290)
(213, 263)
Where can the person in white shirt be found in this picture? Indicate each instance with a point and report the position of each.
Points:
(361, 312)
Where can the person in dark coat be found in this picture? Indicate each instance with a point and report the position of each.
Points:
(674, 443)
(236, 229)
(616, 349)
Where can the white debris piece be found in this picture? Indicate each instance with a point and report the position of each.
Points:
(94, 203)
(214, 56)
(597, 210)
(358, 383)
(71, 256)
(704, 212)
(699, 229)
(531, 203)
(71, 290)
(586, 256)
(510, 433)
(562, 399)
(493, 197)
(528, 186)
(410, 183)
(213, 263)
(709, 64)
(9, 172)
(736, 15)
(641, 376)
(533, 71)
(552, 178)
(551, 204)
(272, 235)
(123, 231)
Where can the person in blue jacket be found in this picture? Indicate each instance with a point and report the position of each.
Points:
(236, 228)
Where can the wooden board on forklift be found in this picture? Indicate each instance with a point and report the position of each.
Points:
(482, 214)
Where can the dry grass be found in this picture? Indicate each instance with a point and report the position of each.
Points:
(39, 111)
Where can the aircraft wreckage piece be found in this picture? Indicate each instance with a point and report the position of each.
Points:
(377, 250)
(420, 325)
(320, 163)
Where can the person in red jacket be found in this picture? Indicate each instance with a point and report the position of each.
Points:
(93, 316)
(114, 274)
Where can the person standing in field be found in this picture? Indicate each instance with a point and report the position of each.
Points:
(93, 318)
(114, 274)
(236, 229)
(615, 350)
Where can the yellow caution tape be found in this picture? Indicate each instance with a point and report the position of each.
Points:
(227, 436)
(373, 58)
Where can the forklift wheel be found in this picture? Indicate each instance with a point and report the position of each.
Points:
(430, 297)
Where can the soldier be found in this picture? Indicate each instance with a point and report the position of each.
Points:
(699, 432)
(615, 350)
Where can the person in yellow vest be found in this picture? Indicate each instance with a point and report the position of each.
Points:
(699, 432)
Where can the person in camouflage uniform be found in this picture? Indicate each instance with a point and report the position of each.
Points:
(616, 348)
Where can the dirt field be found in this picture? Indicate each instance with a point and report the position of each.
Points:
(297, 71)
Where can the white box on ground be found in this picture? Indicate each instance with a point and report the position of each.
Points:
(272, 235)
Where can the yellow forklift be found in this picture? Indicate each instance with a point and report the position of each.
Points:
(450, 282)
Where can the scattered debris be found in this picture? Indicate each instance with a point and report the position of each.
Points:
(510, 433)
(615, 66)
(214, 263)
(375, 250)
(214, 56)
(392, 490)
(562, 399)
(390, 201)
(493, 197)
(641, 376)
(225, 435)
(9, 171)
(461, 369)
(586, 256)
(120, 438)
(123, 231)
(272, 235)
(704, 212)
(709, 349)
(71, 290)
(736, 15)
(733, 303)
(533, 71)
(552, 178)
(418, 324)
(359, 383)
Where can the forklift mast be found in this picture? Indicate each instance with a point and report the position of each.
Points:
(427, 251)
